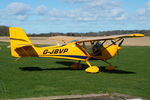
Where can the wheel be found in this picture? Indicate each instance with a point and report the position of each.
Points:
(76, 66)
(110, 68)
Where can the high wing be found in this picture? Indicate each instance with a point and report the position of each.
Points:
(113, 37)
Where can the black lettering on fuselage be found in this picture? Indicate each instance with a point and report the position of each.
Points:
(51, 52)
(55, 51)
(45, 51)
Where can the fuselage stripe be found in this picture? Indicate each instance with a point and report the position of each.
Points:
(73, 56)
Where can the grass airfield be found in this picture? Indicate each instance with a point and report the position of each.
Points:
(38, 77)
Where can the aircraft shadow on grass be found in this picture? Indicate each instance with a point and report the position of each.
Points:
(102, 68)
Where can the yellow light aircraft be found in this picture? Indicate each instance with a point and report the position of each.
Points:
(97, 49)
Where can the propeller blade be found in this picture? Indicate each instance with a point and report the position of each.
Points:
(120, 43)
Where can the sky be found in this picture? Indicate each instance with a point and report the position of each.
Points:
(43, 16)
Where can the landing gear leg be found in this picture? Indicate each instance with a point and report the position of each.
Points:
(76, 66)
(91, 69)
(110, 67)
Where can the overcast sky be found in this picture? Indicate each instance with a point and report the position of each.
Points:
(37, 16)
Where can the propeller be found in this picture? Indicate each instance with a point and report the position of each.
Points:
(119, 45)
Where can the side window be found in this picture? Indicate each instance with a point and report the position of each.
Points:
(93, 48)
(87, 46)
(97, 48)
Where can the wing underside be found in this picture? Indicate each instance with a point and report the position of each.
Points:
(113, 37)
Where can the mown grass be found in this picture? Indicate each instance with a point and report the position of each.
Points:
(36, 77)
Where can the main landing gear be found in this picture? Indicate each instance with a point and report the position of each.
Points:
(91, 69)
(110, 67)
(76, 66)
(95, 69)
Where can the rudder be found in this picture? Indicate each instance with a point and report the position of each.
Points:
(18, 39)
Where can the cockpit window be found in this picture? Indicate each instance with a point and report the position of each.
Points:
(93, 48)
(97, 48)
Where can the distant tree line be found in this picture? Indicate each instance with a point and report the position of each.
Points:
(103, 33)
(4, 31)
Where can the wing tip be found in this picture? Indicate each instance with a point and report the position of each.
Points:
(136, 35)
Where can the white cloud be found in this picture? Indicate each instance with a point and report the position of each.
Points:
(42, 10)
(98, 10)
(145, 9)
(57, 14)
(103, 3)
(90, 10)
(147, 4)
(76, 1)
(18, 8)
(143, 13)
(122, 17)
(21, 17)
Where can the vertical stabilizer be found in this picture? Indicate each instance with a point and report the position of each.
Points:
(18, 39)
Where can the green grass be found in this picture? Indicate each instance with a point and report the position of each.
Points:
(36, 77)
